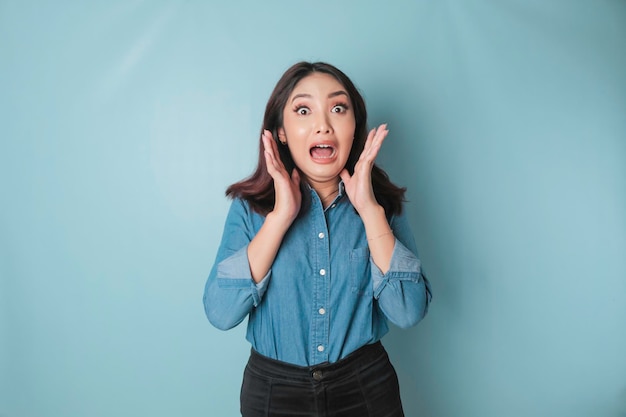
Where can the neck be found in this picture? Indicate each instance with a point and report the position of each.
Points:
(327, 191)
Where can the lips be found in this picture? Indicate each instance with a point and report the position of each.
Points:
(322, 151)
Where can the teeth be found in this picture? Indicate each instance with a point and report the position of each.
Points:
(324, 146)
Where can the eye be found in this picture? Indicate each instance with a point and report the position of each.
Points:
(302, 110)
(339, 108)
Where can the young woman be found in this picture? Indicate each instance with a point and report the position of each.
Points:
(317, 253)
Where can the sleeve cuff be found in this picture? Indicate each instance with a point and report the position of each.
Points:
(259, 289)
(234, 273)
(404, 266)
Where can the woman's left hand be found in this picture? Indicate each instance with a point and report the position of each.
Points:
(359, 185)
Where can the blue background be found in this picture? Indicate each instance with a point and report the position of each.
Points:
(122, 123)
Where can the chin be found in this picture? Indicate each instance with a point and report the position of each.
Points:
(326, 175)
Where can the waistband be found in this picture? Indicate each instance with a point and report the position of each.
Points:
(273, 368)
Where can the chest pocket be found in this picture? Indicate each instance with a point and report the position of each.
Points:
(360, 272)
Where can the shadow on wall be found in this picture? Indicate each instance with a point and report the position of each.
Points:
(409, 354)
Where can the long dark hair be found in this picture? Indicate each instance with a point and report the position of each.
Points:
(258, 189)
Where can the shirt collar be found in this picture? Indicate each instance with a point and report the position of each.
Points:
(340, 193)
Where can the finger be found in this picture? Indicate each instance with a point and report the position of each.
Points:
(267, 142)
(295, 177)
(373, 138)
(370, 152)
(374, 146)
(271, 143)
(270, 148)
(381, 133)
(274, 166)
(377, 142)
(368, 142)
(270, 164)
(267, 147)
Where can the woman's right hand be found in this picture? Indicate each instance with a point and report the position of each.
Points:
(286, 187)
(264, 246)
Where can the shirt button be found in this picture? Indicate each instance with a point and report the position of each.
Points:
(322, 311)
(333, 206)
(320, 348)
(322, 272)
(321, 235)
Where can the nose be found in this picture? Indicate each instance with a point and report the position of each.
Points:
(323, 125)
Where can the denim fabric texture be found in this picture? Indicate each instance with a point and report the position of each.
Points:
(324, 297)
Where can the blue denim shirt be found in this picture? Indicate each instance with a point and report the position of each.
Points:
(323, 297)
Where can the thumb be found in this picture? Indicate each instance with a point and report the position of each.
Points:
(345, 176)
(295, 177)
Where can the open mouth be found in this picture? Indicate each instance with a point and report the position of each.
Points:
(322, 151)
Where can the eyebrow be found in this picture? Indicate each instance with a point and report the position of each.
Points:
(331, 95)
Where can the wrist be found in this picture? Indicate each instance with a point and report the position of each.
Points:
(278, 221)
(373, 213)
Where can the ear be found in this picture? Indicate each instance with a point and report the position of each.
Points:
(281, 136)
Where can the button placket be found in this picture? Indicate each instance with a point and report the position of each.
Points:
(320, 335)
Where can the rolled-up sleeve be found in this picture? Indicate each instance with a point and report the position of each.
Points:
(230, 292)
(403, 292)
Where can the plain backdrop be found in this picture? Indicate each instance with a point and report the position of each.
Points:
(122, 123)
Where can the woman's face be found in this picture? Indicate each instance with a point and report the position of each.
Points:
(318, 127)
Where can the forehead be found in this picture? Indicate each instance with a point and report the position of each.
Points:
(318, 83)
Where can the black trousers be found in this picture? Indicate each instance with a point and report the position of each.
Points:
(364, 384)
